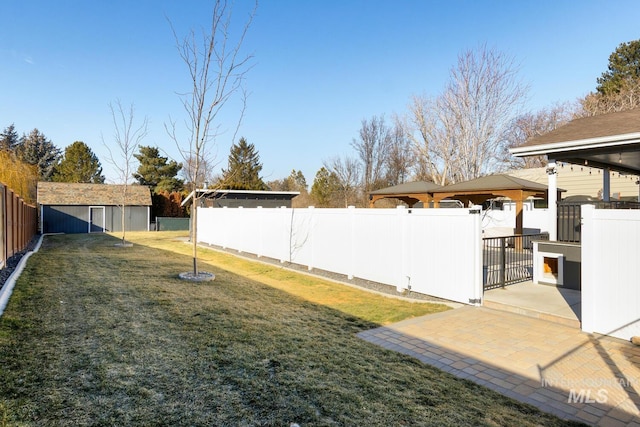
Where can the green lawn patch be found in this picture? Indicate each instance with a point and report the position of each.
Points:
(100, 335)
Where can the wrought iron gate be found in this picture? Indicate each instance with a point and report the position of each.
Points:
(508, 260)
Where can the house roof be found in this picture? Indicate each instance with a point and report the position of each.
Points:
(604, 125)
(417, 187)
(606, 141)
(66, 193)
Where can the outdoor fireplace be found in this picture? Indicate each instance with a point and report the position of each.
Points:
(548, 268)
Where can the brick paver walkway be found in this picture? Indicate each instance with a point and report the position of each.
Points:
(559, 369)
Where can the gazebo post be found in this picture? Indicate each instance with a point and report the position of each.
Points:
(519, 222)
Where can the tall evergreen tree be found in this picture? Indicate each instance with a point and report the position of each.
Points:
(619, 87)
(157, 171)
(294, 182)
(624, 66)
(36, 149)
(79, 164)
(243, 172)
(297, 182)
(9, 138)
(325, 188)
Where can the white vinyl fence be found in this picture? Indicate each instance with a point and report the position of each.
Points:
(611, 271)
(432, 251)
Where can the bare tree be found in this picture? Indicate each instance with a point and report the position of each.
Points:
(529, 125)
(372, 150)
(347, 171)
(205, 174)
(626, 98)
(459, 133)
(400, 158)
(433, 139)
(126, 137)
(217, 68)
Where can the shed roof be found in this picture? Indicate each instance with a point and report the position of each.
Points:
(218, 192)
(66, 193)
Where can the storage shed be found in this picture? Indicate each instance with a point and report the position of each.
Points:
(92, 208)
(220, 198)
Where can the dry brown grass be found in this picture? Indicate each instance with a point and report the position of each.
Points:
(99, 335)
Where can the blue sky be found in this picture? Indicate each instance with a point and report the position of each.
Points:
(321, 66)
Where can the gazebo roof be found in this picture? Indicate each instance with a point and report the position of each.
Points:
(479, 190)
(409, 192)
(417, 187)
(491, 183)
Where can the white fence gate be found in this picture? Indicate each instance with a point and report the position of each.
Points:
(611, 271)
(432, 251)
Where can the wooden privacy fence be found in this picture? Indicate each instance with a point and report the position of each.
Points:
(18, 224)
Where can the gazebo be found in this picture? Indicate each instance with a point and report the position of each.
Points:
(477, 191)
(409, 192)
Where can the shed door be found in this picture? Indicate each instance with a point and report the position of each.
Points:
(96, 219)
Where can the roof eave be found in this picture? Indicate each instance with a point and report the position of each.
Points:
(581, 144)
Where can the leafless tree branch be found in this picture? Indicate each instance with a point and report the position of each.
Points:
(217, 67)
(127, 136)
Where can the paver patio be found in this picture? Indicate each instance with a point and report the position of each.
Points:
(542, 301)
(557, 368)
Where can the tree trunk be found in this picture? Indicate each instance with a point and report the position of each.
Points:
(194, 233)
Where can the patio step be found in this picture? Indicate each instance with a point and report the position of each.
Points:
(572, 322)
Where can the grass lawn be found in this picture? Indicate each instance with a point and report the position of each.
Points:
(100, 335)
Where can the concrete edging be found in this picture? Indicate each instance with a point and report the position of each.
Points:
(7, 288)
